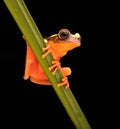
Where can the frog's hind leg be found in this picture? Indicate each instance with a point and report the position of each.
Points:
(54, 67)
(65, 71)
(64, 82)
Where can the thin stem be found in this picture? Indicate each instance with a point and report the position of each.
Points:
(29, 29)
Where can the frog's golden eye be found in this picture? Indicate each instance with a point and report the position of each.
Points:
(63, 34)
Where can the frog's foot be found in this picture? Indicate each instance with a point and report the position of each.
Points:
(23, 37)
(64, 82)
(47, 49)
(55, 66)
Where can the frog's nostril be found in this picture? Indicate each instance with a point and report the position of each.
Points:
(78, 37)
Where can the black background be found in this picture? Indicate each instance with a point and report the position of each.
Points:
(94, 65)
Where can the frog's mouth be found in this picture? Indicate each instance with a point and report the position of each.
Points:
(69, 45)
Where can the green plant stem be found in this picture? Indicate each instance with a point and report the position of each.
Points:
(29, 29)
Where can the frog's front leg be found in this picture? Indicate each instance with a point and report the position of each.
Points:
(55, 64)
(47, 49)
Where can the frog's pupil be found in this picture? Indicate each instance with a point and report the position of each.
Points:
(64, 35)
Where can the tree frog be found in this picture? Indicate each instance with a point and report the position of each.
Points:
(58, 45)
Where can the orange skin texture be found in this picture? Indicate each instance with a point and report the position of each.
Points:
(58, 49)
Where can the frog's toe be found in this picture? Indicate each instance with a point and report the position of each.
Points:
(64, 83)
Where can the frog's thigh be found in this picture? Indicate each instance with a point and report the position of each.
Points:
(66, 71)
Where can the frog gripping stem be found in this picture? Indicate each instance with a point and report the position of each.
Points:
(55, 65)
(25, 22)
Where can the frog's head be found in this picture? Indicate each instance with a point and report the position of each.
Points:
(65, 40)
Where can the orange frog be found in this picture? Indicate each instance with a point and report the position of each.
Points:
(58, 45)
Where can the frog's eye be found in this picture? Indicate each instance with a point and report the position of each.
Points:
(63, 34)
